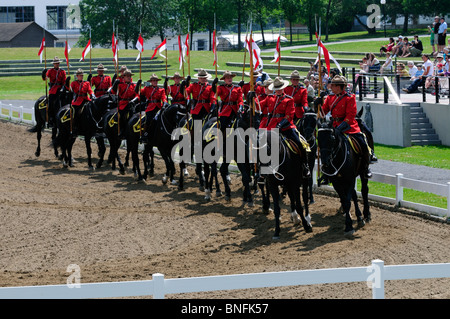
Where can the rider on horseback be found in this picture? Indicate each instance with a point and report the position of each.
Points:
(127, 94)
(341, 106)
(57, 78)
(200, 96)
(156, 100)
(299, 94)
(101, 82)
(81, 91)
(175, 90)
(281, 111)
(231, 100)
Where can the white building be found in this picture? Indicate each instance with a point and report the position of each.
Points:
(59, 17)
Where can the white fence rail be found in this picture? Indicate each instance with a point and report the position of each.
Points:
(16, 113)
(375, 276)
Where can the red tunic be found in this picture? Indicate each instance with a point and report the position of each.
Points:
(279, 107)
(204, 95)
(101, 83)
(300, 96)
(126, 94)
(264, 111)
(57, 78)
(343, 108)
(155, 97)
(80, 90)
(177, 96)
(231, 97)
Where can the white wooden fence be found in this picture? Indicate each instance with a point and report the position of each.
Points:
(16, 113)
(375, 276)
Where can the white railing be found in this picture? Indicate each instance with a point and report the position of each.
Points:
(16, 113)
(374, 275)
(400, 182)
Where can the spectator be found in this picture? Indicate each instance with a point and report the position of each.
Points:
(387, 47)
(428, 70)
(442, 33)
(405, 47)
(447, 66)
(387, 66)
(416, 48)
(412, 69)
(431, 30)
(435, 30)
(418, 73)
(311, 93)
(364, 66)
(398, 47)
(401, 70)
(374, 63)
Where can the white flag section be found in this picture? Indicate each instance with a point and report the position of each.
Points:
(140, 46)
(86, 50)
(41, 49)
(161, 47)
(276, 54)
(323, 53)
(214, 48)
(257, 61)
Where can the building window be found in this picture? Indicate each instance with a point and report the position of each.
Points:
(56, 17)
(16, 14)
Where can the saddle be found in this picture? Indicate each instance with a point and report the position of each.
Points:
(139, 124)
(292, 145)
(43, 104)
(354, 144)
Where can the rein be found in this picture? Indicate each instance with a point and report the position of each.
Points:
(334, 153)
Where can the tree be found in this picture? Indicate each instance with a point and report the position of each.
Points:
(290, 10)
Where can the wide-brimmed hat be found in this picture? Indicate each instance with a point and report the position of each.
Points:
(127, 73)
(439, 55)
(177, 75)
(295, 75)
(123, 68)
(79, 71)
(100, 67)
(339, 80)
(154, 77)
(227, 73)
(278, 84)
(202, 74)
(255, 73)
(267, 82)
(56, 60)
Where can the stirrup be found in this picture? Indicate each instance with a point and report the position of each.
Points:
(367, 173)
(373, 159)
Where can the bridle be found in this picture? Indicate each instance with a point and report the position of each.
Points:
(334, 152)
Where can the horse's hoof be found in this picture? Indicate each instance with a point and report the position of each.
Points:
(65, 165)
(180, 188)
(92, 168)
(251, 203)
(165, 179)
(202, 188)
(122, 171)
(308, 228)
(229, 180)
(37, 154)
(60, 157)
(295, 218)
(361, 222)
(311, 201)
(218, 194)
(349, 234)
(368, 220)
(174, 182)
(185, 172)
(228, 198)
(276, 237)
(71, 164)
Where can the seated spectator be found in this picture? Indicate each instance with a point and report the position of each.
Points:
(387, 66)
(416, 48)
(387, 47)
(364, 66)
(401, 70)
(412, 68)
(447, 66)
(374, 63)
(398, 47)
(428, 71)
(418, 73)
(311, 94)
(405, 47)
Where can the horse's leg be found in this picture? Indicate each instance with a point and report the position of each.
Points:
(181, 181)
(265, 197)
(119, 161)
(39, 136)
(101, 151)
(69, 151)
(201, 177)
(246, 179)
(276, 208)
(135, 159)
(306, 218)
(87, 142)
(346, 204)
(365, 196)
(152, 161)
(358, 213)
(208, 181)
(223, 172)
(216, 179)
(55, 148)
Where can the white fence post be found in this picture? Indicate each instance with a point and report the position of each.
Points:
(398, 189)
(378, 279)
(158, 287)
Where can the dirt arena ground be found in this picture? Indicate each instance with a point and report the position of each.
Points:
(117, 229)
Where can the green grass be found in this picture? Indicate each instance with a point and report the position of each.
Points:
(409, 195)
(429, 155)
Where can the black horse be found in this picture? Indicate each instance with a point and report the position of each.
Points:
(88, 125)
(307, 128)
(44, 112)
(341, 164)
(288, 174)
(162, 136)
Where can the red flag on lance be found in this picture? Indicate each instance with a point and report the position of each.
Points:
(214, 48)
(66, 53)
(86, 50)
(257, 61)
(41, 49)
(161, 48)
(181, 50)
(140, 46)
(327, 55)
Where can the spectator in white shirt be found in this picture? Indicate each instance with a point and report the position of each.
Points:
(387, 66)
(442, 33)
(412, 69)
(428, 70)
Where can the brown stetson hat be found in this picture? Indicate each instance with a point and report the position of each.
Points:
(100, 67)
(339, 80)
(203, 74)
(227, 73)
(278, 84)
(154, 77)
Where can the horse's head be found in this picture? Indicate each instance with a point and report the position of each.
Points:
(245, 118)
(173, 114)
(327, 139)
(307, 125)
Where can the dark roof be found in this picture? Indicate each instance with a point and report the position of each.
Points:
(9, 31)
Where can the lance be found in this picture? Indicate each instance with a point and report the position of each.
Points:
(279, 53)
(117, 47)
(215, 45)
(114, 49)
(140, 80)
(166, 60)
(245, 51)
(90, 52)
(318, 91)
(188, 52)
(252, 86)
(46, 86)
